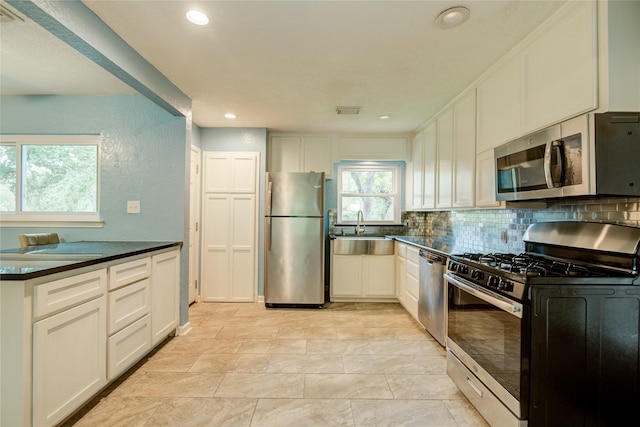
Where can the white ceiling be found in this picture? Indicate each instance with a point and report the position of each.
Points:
(35, 62)
(286, 65)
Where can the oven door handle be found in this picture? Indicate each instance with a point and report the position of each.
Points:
(504, 304)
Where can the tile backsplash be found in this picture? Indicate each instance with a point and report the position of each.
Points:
(501, 230)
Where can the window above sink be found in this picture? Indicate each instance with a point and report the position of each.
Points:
(371, 187)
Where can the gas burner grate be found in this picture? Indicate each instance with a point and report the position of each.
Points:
(528, 265)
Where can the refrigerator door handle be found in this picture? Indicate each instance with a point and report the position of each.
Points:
(269, 198)
(268, 234)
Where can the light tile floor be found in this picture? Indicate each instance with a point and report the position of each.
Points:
(349, 364)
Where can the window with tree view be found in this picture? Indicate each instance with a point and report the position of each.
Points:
(374, 190)
(47, 177)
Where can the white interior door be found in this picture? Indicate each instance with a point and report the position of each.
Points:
(194, 224)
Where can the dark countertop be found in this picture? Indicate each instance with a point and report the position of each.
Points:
(37, 261)
(441, 246)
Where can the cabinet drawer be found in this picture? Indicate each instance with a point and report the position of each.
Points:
(128, 346)
(479, 395)
(411, 304)
(129, 272)
(65, 293)
(413, 254)
(413, 269)
(412, 286)
(128, 304)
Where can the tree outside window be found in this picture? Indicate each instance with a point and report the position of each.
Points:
(49, 175)
(370, 189)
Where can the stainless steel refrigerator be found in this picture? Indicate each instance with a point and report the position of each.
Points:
(294, 239)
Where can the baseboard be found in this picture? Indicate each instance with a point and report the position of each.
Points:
(260, 298)
(184, 329)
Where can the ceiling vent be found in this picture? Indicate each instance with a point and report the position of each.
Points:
(348, 110)
(8, 15)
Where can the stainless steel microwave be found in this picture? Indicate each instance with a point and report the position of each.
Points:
(592, 154)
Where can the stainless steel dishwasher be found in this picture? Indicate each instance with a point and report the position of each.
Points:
(432, 295)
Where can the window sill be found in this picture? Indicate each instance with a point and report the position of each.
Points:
(83, 223)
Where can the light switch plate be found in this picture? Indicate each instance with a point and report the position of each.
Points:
(133, 206)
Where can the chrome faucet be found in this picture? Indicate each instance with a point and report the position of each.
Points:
(359, 223)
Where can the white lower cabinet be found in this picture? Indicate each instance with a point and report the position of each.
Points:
(129, 325)
(412, 281)
(165, 295)
(400, 251)
(128, 304)
(69, 360)
(128, 346)
(362, 277)
(67, 338)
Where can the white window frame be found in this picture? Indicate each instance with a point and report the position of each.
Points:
(397, 196)
(49, 219)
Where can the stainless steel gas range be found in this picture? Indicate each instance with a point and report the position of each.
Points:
(550, 336)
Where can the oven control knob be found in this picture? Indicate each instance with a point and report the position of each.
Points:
(464, 269)
(505, 285)
(453, 266)
(477, 274)
(493, 281)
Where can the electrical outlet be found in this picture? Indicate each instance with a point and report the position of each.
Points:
(133, 206)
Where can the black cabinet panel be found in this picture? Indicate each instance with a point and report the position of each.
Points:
(585, 362)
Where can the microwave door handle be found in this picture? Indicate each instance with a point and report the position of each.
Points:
(553, 176)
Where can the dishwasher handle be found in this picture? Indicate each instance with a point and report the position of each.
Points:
(433, 258)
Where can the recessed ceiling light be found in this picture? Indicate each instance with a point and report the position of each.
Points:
(230, 116)
(452, 17)
(197, 17)
(384, 117)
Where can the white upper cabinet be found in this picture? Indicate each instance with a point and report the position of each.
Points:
(464, 151)
(284, 154)
(316, 155)
(417, 160)
(486, 181)
(551, 77)
(560, 69)
(584, 58)
(227, 172)
(300, 154)
(424, 168)
(619, 55)
(444, 189)
(499, 99)
(430, 166)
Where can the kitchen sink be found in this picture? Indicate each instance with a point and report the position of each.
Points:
(362, 245)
